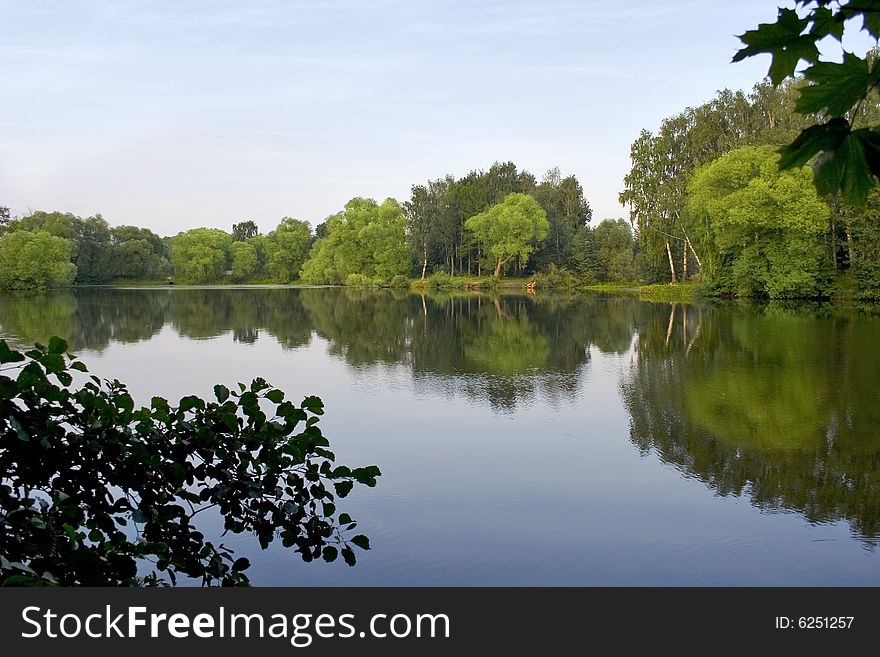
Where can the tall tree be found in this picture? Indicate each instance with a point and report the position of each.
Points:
(509, 229)
(201, 254)
(567, 211)
(287, 248)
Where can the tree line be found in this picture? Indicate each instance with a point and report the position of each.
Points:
(492, 222)
(708, 198)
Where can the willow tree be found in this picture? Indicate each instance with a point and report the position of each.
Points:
(38, 260)
(366, 239)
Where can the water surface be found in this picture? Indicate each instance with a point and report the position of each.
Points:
(537, 440)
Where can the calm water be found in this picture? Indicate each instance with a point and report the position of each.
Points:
(537, 440)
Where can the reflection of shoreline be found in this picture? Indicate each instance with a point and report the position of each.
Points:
(776, 405)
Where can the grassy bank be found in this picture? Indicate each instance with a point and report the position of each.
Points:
(671, 292)
(443, 281)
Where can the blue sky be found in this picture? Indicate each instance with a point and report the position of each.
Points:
(173, 115)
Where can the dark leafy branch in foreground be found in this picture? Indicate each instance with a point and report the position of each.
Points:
(848, 160)
(96, 492)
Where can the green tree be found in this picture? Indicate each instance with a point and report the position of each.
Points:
(244, 260)
(135, 253)
(366, 239)
(849, 156)
(287, 247)
(35, 260)
(201, 254)
(80, 465)
(91, 238)
(509, 229)
(244, 230)
(567, 212)
(613, 246)
(760, 227)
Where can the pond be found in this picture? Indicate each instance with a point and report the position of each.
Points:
(536, 440)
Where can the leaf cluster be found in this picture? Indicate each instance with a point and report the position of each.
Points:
(94, 491)
(848, 159)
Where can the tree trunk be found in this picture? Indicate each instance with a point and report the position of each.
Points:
(499, 266)
(833, 242)
(684, 266)
(671, 261)
(424, 261)
(696, 257)
(849, 244)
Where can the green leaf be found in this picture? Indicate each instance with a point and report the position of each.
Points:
(834, 88)
(784, 41)
(326, 453)
(275, 396)
(20, 432)
(329, 553)
(344, 518)
(313, 404)
(870, 139)
(361, 541)
(825, 23)
(872, 24)
(827, 174)
(812, 141)
(857, 180)
(846, 170)
(52, 362)
(240, 564)
(125, 402)
(248, 399)
(221, 392)
(349, 556)
(78, 365)
(343, 488)
(190, 402)
(57, 345)
(8, 355)
(366, 475)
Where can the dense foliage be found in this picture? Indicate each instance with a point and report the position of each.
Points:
(366, 239)
(835, 92)
(436, 214)
(94, 491)
(35, 260)
(758, 227)
(676, 231)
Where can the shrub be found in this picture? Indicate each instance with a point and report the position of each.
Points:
(439, 280)
(359, 280)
